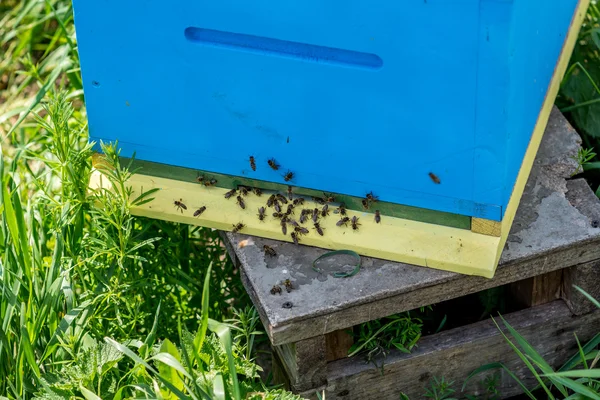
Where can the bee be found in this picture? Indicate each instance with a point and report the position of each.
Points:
(315, 215)
(288, 285)
(199, 211)
(340, 210)
(237, 227)
(269, 251)
(318, 228)
(303, 217)
(295, 238)
(275, 290)
(277, 206)
(283, 227)
(179, 205)
(232, 192)
(200, 179)
(290, 209)
(365, 204)
(343, 221)
(281, 198)
(273, 164)
(252, 163)
(325, 211)
(270, 200)
(241, 203)
(355, 223)
(301, 230)
(377, 217)
(371, 197)
(257, 191)
(211, 182)
(328, 197)
(278, 215)
(318, 200)
(434, 178)
(244, 190)
(299, 201)
(288, 176)
(261, 214)
(290, 194)
(292, 222)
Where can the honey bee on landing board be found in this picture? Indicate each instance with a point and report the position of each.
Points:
(261, 214)
(377, 217)
(199, 211)
(237, 227)
(179, 205)
(241, 203)
(232, 192)
(269, 251)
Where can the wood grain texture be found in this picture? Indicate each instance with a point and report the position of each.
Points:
(540, 289)
(486, 227)
(587, 277)
(457, 352)
(305, 362)
(337, 344)
(550, 232)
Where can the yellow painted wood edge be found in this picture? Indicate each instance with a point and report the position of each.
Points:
(542, 122)
(395, 239)
(486, 227)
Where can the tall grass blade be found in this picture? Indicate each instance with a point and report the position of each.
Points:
(224, 335)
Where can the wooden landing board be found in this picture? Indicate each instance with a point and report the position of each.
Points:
(417, 243)
(552, 230)
(454, 354)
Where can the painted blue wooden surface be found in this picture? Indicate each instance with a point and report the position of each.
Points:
(350, 95)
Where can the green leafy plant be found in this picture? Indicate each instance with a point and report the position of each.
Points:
(553, 384)
(376, 338)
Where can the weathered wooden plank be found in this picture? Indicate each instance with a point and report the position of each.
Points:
(457, 352)
(538, 290)
(587, 277)
(305, 363)
(550, 233)
(337, 344)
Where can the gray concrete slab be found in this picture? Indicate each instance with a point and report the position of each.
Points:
(550, 232)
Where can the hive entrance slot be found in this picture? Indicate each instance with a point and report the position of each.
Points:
(283, 48)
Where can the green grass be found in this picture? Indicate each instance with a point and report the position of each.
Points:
(97, 303)
(579, 97)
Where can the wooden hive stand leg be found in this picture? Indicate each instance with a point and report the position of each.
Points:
(305, 363)
(587, 277)
(538, 290)
(338, 343)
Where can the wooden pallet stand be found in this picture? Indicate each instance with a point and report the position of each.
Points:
(554, 244)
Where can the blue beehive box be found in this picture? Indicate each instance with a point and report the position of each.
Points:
(429, 104)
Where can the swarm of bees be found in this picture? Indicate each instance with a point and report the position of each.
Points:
(284, 207)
